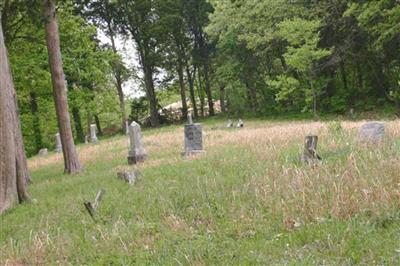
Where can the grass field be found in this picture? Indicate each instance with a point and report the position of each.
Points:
(246, 201)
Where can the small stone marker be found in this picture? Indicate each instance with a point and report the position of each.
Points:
(86, 139)
(193, 139)
(310, 155)
(43, 152)
(93, 137)
(230, 124)
(128, 176)
(58, 143)
(189, 118)
(127, 127)
(136, 153)
(240, 123)
(372, 131)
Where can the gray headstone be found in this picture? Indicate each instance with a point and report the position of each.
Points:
(93, 136)
(230, 124)
(372, 131)
(136, 152)
(58, 143)
(43, 152)
(86, 139)
(193, 139)
(127, 127)
(129, 176)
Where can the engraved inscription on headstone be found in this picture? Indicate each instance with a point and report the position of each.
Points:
(136, 153)
(193, 139)
(58, 143)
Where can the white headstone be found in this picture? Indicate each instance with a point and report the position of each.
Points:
(136, 152)
(93, 136)
(43, 152)
(240, 123)
(127, 127)
(58, 143)
(189, 118)
(230, 123)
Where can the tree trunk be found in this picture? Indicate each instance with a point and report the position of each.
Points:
(151, 96)
(118, 79)
(182, 91)
(71, 161)
(344, 76)
(222, 98)
(314, 94)
(78, 124)
(191, 89)
(13, 167)
(208, 91)
(200, 92)
(36, 122)
(97, 121)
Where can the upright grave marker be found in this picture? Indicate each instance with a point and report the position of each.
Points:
(372, 132)
(193, 139)
(93, 136)
(43, 152)
(136, 153)
(310, 154)
(58, 143)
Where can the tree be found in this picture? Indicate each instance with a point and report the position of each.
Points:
(71, 161)
(13, 167)
(137, 20)
(303, 51)
(103, 13)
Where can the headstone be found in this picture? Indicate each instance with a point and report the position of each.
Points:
(43, 152)
(127, 127)
(136, 153)
(86, 139)
(372, 131)
(310, 154)
(230, 124)
(189, 118)
(193, 139)
(58, 143)
(128, 176)
(93, 136)
(240, 123)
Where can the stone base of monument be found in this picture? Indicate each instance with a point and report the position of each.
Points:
(192, 153)
(134, 159)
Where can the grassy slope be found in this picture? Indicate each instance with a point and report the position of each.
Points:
(236, 204)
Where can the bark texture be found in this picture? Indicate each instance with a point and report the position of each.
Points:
(13, 167)
(71, 161)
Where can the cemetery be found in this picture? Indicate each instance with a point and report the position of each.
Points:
(248, 187)
(199, 132)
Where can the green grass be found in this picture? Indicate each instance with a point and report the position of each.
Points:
(226, 207)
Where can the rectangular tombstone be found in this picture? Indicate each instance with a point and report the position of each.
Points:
(136, 152)
(193, 139)
(93, 136)
(371, 132)
(58, 143)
